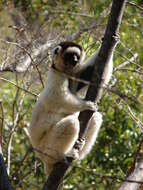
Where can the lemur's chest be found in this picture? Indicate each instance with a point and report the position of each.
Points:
(53, 97)
(56, 89)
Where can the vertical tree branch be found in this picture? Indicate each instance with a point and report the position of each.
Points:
(136, 175)
(101, 61)
(94, 92)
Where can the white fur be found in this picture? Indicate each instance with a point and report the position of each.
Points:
(74, 49)
(54, 125)
(94, 125)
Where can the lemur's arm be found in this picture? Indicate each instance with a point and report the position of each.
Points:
(84, 73)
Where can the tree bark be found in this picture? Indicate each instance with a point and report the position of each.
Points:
(94, 92)
(136, 175)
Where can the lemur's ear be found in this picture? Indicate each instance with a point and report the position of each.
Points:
(57, 49)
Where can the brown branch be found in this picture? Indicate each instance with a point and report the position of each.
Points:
(135, 5)
(135, 158)
(107, 176)
(19, 87)
(137, 175)
(106, 50)
(126, 63)
(109, 42)
(30, 56)
(71, 13)
(10, 138)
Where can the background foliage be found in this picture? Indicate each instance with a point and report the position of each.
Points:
(26, 26)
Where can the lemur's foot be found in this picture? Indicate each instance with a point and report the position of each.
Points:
(79, 144)
(74, 154)
(91, 106)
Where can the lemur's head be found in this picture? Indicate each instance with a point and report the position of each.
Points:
(67, 56)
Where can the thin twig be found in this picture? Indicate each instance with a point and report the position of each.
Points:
(133, 62)
(136, 119)
(12, 134)
(132, 70)
(126, 62)
(70, 13)
(20, 164)
(113, 177)
(135, 5)
(26, 51)
(21, 88)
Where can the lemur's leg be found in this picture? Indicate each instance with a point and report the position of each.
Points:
(94, 125)
(64, 134)
(62, 138)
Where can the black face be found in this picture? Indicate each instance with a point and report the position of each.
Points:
(71, 59)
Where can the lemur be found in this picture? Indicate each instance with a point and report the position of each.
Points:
(54, 126)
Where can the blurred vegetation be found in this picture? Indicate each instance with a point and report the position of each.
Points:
(30, 23)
